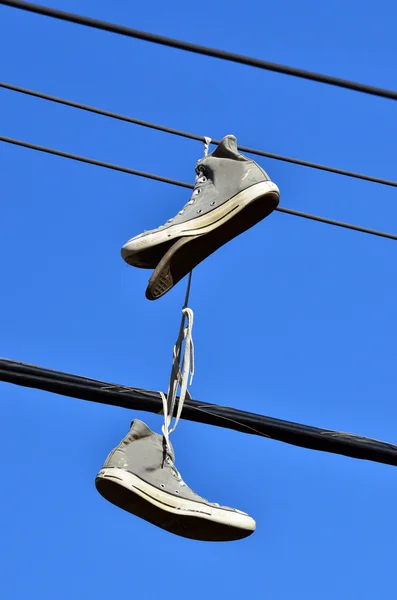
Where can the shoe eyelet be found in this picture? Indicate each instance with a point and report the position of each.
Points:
(212, 203)
(199, 210)
(176, 492)
(162, 485)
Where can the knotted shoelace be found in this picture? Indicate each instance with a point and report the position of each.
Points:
(182, 370)
(183, 356)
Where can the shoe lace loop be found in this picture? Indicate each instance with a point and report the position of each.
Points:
(182, 368)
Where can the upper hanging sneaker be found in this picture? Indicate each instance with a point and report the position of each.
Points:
(140, 477)
(232, 193)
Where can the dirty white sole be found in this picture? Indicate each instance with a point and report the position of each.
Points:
(177, 506)
(204, 224)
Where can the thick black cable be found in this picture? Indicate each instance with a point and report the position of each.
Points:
(192, 136)
(305, 436)
(106, 165)
(197, 49)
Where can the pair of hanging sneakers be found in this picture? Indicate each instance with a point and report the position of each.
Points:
(232, 193)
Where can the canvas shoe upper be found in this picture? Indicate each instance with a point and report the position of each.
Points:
(140, 476)
(222, 177)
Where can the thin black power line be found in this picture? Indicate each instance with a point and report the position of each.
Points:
(106, 165)
(192, 136)
(197, 49)
(305, 436)
(91, 161)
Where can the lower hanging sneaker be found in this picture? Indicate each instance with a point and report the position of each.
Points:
(232, 193)
(141, 478)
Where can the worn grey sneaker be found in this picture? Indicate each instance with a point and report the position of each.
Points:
(232, 193)
(140, 476)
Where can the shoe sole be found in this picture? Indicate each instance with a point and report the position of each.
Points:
(148, 250)
(186, 518)
(186, 253)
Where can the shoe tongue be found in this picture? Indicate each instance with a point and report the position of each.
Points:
(227, 148)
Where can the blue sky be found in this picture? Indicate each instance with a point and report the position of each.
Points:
(293, 319)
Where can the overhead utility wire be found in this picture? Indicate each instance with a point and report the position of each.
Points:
(192, 136)
(313, 438)
(91, 161)
(99, 163)
(197, 49)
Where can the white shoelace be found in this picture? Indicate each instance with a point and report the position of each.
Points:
(207, 141)
(182, 368)
(182, 361)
